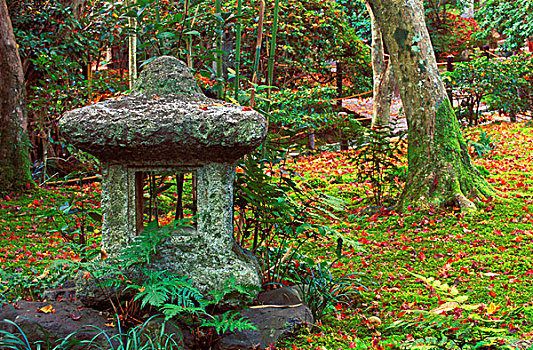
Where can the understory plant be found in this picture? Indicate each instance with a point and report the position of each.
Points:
(505, 84)
(321, 288)
(378, 158)
(276, 214)
(484, 143)
(136, 338)
(303, 108)
(137, 288)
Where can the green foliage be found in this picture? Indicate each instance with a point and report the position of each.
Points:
(20, 285)
(512, 85)
(169, 293)
(320, 289)
(470, 84)
(75, 222)
(377, 157)
(303, 108)
(57, 47)
(274, 209)
(484, 144)
(505, 84)
(228, 321)
(512, 19)
(357, 17)
(313, 34)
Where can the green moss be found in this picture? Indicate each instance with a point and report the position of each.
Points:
(445, 174)
(400, 35)
(15, 173)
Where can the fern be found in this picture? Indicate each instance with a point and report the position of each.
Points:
(174, 310)
(229, 321)
(230, 286)
(170, 293)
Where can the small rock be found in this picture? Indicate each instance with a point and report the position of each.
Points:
(279, 316)
(63, 319)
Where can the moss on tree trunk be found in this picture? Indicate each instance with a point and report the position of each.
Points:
(444, 174)
(440, 169)
(14, 157)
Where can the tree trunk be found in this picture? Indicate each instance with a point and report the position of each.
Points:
(383, 78)
(440, 169)
(14, 157)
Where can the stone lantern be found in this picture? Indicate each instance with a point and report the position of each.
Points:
(168, 123)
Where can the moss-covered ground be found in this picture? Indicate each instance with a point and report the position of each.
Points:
(486, 256)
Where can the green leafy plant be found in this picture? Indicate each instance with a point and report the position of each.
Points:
(303, 107)
(274, 211)
(484, 144)
(512, 85)
(320, 289)
(377, 156)
(130, 276)
(19, 285)
(470, 84)
(511, 19)
(504, 84)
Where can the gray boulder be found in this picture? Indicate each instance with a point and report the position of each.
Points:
(279, 315)
(68, 317)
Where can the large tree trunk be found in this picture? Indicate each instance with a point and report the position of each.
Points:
(440, 168)
(383, 78)
(14, 157)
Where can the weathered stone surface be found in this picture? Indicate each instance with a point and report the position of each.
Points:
(167, 75)
(167, 121)
(273, 322)
(118, 208)
(69, 317)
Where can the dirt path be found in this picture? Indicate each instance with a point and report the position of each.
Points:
(363, 106)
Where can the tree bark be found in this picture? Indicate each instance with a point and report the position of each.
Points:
(383, 78)
(440, 169)
(14, 157)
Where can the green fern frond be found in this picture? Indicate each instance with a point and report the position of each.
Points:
(229, 321)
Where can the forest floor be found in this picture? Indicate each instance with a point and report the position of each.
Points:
(485, 259)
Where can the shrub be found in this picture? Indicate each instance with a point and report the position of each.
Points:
(511, 87)
(303, 108)
(470, 84)
(378, 158)
(505, 84)
(512, 19)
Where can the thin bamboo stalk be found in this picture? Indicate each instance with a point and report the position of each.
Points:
(238, 40)
(132, 45)
(220, 29)
(272, 55)
(257, 50)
